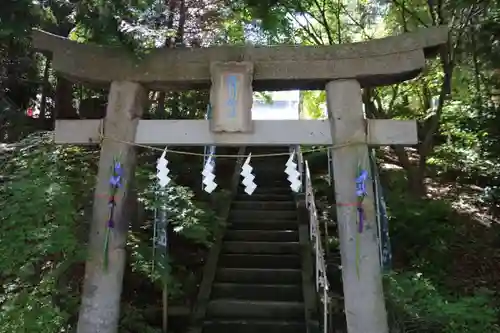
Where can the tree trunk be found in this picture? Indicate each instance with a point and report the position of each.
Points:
(160, 103)
(47, 119)
(416, 181)
(414, 173)
(64, 100)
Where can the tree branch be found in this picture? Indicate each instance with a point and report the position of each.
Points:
(325, 23)
(434, 121)
(395, 92)
(356, 23)
(310, 32)
(413, 14)
(448, 57)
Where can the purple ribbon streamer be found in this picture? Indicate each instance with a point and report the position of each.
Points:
(115, 182)
(360, 183)
(360, 193)
(115, 179)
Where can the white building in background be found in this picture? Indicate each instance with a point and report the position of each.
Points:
(284, 105)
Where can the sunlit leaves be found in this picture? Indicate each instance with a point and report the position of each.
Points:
(314, 104)
(191, 219)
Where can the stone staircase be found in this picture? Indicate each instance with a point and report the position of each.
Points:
(258, 285)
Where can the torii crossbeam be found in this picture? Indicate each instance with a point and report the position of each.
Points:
(380, 132)
(232, 73)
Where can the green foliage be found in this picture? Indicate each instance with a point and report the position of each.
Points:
(46, 198)
(313, 102)
(133, 320)
(192, 219)
(188, 218)
(48, 189)
(417, 306)
(422, 230)
(39, 217)
(425, 236)
(154, 268)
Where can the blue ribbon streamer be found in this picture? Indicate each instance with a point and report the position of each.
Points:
(360, 193)
(115, 181)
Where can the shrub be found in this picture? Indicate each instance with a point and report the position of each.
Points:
(416, 306)
(38, 243)
(46, 198)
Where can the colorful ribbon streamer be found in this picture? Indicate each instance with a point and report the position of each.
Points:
(115, 181)
(360, 193)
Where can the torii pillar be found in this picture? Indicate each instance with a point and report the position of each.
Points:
(363, 293)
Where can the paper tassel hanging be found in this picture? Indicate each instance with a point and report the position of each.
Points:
(163, 170)
(209, 176)
(115, 182)
(160, 240)
(248, 177)
(293, 173)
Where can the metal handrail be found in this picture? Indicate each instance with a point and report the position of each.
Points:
(381, 218)
(322, 286)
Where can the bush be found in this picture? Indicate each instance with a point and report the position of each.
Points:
(46, 202)
(189, 218)
(416, 306)
(39, 243)
(426, 235)
(422, 230)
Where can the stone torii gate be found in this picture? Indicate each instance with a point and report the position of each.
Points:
(232, 73)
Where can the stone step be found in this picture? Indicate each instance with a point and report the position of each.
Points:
(269, 171)
(253, 326)
(269, 181)
(264, 205)
(250, 214)
(261, 247)
(268, 177)
(263, 189)
(229, 308)
(263, 225)
(291, 261)
(262, 235)
(259, 275)
(258, 292)
(242, 196)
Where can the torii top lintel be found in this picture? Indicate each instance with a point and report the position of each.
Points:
(373, 63)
